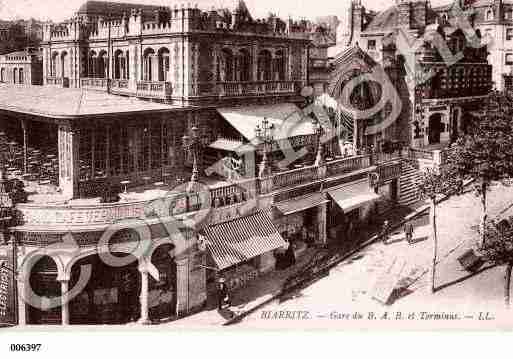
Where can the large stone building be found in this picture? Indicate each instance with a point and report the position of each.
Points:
(138, 101)
(405, 47)
(494, 20)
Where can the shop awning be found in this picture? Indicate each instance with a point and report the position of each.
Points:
(353, 196)
(287, 118)
(241, 239)
(226, 145)
(300, 204)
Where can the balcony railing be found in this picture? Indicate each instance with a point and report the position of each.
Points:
(54, 81)
(389, 171)
(230, 89)
(120, 87)
(225, 195)
(90, 83)
(349, 164)
(151, 89)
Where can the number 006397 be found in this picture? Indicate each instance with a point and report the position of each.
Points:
(25, 347)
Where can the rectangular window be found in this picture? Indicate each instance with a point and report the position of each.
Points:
(509, 34)
(371, 45)
(509, 59)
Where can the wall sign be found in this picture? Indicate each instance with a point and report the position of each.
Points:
(7, 292)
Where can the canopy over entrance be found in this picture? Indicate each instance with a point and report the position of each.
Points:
(353, 196)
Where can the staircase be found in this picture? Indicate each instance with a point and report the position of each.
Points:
(409, 177)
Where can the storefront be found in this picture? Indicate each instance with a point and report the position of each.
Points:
(351, 207)
(301, 221)
(243, 248)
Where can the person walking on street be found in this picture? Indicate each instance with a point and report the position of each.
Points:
(408, 231)
(385, 233)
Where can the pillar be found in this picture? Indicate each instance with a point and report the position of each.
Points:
(68, 160)
(22, 307)
(182, 286)
(107, 150)
(65, 302)
(254, 63)
(321, 221)
(143, 298)
(25, 145)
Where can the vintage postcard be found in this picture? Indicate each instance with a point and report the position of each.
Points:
(248, 164)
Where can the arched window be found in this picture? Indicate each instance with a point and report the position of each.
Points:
(2, 75)
(244, 65)
(225, 70)
(149, 64)
(53, 64)
(279, 66)
(164, 64)
(101, 65)
(264, 66)
(127, 65)
(119, 64)
(64, 65)
(14, 75)
(92, 65)
(20, 76)
(489, 15)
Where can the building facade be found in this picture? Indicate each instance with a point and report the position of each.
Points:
(407, 46)
(22, 68)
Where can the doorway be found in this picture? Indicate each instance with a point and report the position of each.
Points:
(435, 128)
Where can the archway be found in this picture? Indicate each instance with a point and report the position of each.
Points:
(148, 64)
(162, 293)
(435, 128)
(225, 70)
(119, 64)
(244, 65)
(164, 64)
(64, 69)
(102, 64)
(265, 66)
(112, 294)
(43, 281)
(279, 66)
(53, 64)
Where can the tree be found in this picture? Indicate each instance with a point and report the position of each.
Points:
(498, 249)
(433, 184)
(485, 153)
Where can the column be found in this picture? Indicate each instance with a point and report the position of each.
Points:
(65, 302)
(22, 307)
(254, 62)
(93, 153)
(289, 63)
(25, 145)
(68, 160)
(321, 221)
(182, 286)
(143, 298)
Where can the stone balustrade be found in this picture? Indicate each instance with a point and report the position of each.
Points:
(230, 89)
(174, 203)
(91, 83)
(54, 81)
(389, 171)
(154, 89)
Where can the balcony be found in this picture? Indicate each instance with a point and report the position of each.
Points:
(260, 88)
(152, 89)
(120, 87)
(154, 204)
(97, 84)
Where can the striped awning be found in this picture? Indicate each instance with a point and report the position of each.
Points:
(353, 196)
(241, 239)
(300, 204)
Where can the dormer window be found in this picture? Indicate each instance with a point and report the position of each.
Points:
(489, 15)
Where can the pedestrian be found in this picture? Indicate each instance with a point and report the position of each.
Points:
(408, 231)
(385, 231)
(224, 300)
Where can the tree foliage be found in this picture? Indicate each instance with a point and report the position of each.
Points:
(442, 181)
(485, 152)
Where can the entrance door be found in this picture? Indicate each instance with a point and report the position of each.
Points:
(435, 128)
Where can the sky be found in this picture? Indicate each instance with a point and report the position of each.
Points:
(58, 10)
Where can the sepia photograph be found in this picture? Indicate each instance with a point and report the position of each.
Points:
(255, 165)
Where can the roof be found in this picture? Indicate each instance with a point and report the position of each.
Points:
(287, 118)
(113, 8)
(241, 239)
(384, 20)
(353, 196)
(300, 204)
(56, 102)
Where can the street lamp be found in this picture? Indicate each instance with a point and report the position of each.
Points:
(265, 134)
(194, 144)
(319, 159)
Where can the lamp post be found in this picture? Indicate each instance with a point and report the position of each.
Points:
(319, 158)
(265, 135)
(194, 144)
